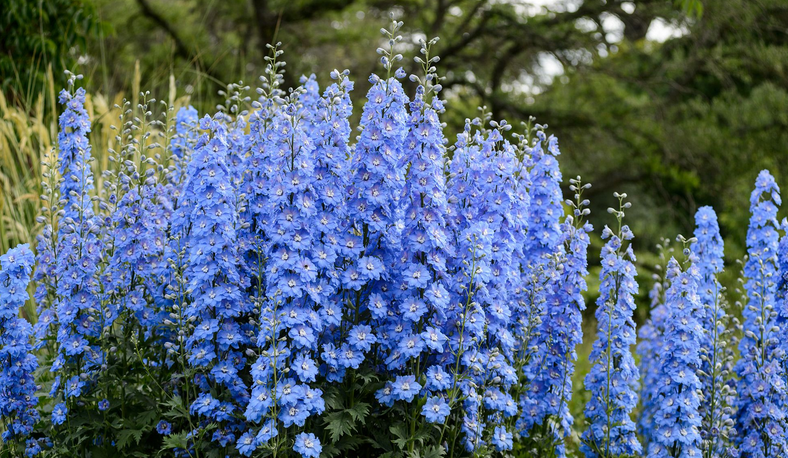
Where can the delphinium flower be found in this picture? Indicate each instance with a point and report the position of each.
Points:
(330, 134)
(215, 285)
(716, 353)
(308, 445)
(422, 297)
(169, 288)
(613, 376)
(310, 104)
(45, 293)
(78, 308)
(760, 417)
(17, 363)
(466, 367)
(781, 296)
(136, 209)
(677, 420)
(315, 175)
(376, 218)
(504, 206)
(233, 115)
(330, 129)
(254, 223)
(294, 317)
(487, 194)
(259, 167)
(650, 333)
(472, 236)
(378, 169)
(543, 246)
(562, 322)
(255, 234)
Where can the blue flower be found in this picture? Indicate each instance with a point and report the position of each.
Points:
(164, 428)
(305, 368)
(435, 410)
(613, 376)
(307, 445)
(294, 414)
(76, 308)
(437, 379)
(411, 346)
(103, 405)
(361, 338)
(405, 388)
(562, 322)
(717, 362)
(267, 432)
(59, 413)
(761, 385)
(544, 240)
(676, 417)
(350, 358)
(18, 398)
(433, 338)
(385, 395)
(204, 405)
(74, 386)
(650, 345)
(246, 444)
(32, 447)
(502, 439)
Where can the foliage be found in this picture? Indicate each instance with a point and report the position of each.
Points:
(37, 35)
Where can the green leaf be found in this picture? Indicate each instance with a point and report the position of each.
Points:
(175, 441)
(125, 436)
(359, 411)
(339, 424)
(434, 451)
(146, 418)
(401, 435)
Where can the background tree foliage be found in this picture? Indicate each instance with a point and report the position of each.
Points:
(36, 34)
(677, 123)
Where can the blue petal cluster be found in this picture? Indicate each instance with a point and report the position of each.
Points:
(614, 375)
(215, 285)
(79, 247)
(541, 280)
(18, 398)
(761, 401)
(716, 366)
(676, 417)
(648, 348)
